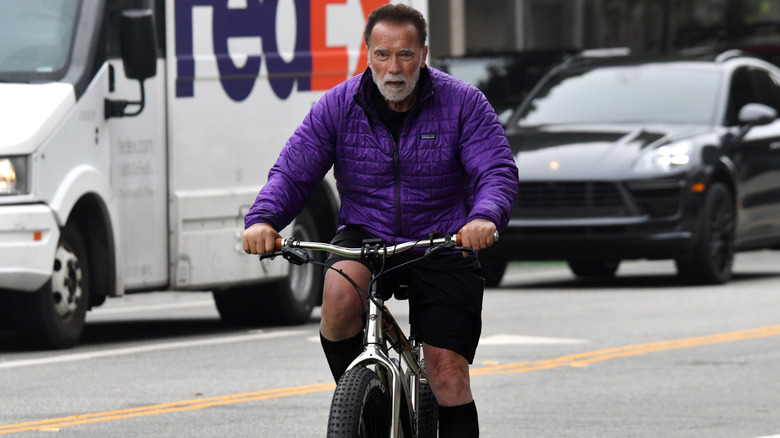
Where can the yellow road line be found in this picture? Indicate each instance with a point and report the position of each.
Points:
(583, 359)
(574, 360)
(164, 408)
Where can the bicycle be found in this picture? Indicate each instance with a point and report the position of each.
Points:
(379, 395)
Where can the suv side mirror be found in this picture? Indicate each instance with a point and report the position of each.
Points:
(755, 114)
(139, 57)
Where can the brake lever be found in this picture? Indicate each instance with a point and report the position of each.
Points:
(270, 255)
(447, 246)
(296, 256)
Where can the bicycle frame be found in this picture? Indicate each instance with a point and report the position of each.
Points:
(406, 374)
(403, 381)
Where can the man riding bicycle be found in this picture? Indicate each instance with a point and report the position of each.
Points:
(413, 151)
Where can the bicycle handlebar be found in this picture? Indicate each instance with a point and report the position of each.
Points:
(387, 250)
(358, 252)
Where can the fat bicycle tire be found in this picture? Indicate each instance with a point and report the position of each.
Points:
(360, 406)
(428, 414)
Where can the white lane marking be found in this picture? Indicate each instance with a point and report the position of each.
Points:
(525, 275)
(250, 336)
(504, 339)
(115, 310)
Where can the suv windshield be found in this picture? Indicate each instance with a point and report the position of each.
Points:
(35, 38)
(666, 93)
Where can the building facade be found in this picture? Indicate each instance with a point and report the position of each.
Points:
(460, 27)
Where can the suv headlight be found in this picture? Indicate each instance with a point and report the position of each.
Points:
(665, 159)
(13, 175)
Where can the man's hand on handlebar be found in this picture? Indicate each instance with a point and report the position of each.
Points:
(478, 234)
(259, 238)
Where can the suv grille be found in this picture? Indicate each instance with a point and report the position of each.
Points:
(568, 200)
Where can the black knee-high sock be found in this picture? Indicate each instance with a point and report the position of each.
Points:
(341, 353)
(458, 421)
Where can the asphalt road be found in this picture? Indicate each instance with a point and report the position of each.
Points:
(637, 356)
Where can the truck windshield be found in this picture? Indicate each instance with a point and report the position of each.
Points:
(35, 38)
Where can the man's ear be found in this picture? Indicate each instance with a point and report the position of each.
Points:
(424, 56)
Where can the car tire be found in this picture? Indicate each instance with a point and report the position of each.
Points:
(53, 317)
(285, 302)
(713, 253)
(588, 268)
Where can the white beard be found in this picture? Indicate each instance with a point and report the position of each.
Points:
(395, 94)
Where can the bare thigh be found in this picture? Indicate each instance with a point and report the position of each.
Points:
(342, 305)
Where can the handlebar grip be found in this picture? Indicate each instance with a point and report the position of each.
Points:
(278, 243)
(459, 238)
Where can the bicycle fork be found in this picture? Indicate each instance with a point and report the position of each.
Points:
(375, 353)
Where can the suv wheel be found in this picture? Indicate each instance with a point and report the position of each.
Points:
(713, 254)
(593, 267)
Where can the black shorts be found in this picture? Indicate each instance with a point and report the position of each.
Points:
(445, 294)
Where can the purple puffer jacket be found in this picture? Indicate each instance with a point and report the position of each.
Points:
(451, 164)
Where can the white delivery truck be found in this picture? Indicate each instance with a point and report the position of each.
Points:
(134, 136)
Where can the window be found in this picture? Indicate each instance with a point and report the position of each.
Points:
(37, 37)
(767, 89)
(751, 85)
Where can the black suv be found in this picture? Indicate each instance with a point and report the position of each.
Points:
(646, 159)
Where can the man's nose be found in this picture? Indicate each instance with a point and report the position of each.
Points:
(395, 65)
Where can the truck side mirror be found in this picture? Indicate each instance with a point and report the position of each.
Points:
(139, 57)
(138, 45)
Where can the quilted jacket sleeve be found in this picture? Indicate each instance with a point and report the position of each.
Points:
(303, 162)
(488, 161)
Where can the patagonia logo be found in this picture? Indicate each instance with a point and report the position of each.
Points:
(427, 136)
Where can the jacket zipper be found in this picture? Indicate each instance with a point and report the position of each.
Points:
(397, 163)
(396, 156)
(397, 167)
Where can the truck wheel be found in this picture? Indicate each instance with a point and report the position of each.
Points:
(713, 254)
(289, 301)
(53, 316)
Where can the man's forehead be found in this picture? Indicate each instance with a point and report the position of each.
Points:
(389, 33)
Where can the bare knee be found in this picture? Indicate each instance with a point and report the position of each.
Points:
(448, 374)
(342, 304)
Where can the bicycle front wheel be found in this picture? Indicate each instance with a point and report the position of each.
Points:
(360, 406)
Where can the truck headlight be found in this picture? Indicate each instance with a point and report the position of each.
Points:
(13, 176)
(665, 159)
